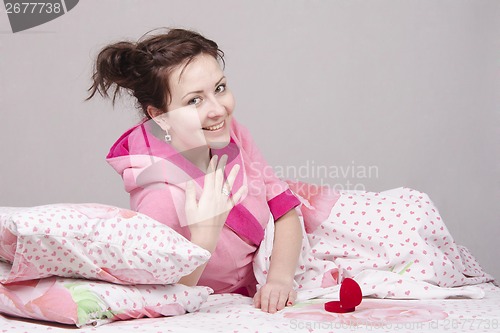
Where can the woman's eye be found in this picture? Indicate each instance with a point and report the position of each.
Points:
(220, 88)
(195, 101)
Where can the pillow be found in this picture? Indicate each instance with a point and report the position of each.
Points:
(83, 302)
(93, 241)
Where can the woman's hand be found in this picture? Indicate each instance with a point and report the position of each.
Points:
(274, 296)
(278, 291)
(207, 216)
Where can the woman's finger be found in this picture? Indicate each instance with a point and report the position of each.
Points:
(292, 296)
(190, 196)
(256, 299)
(212, 165)
(222, 162)
(210, 175)
(281, 301)
(232, 176)
(219, 173)
(264, 300)
(242, 192)
(230, 182)
(274, 297)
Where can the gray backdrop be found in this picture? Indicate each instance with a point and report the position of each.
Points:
(357, 94)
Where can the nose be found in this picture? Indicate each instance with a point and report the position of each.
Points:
(216, 108)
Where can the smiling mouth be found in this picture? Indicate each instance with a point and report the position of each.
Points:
(215, 127)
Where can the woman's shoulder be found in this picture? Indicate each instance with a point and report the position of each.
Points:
(140, 140)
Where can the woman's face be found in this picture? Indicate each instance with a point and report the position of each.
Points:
(201, 105)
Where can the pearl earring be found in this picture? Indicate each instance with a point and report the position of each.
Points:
(168, 137)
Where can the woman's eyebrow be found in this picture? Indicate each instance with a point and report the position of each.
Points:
(200, 91)
(218, 82)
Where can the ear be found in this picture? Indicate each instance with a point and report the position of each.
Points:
(158, 116)
(153, 112)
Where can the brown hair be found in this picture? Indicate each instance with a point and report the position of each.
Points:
(142, 68)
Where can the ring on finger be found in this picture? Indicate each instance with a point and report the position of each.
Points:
(225, 191)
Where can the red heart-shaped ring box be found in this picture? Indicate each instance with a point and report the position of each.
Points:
(350, 297)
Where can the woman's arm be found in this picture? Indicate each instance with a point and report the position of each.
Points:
(206, 216)
(278, 290)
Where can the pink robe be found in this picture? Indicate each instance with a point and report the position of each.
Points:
(155, 175)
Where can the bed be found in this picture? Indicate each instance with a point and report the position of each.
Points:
(109, 269)
(234, 313)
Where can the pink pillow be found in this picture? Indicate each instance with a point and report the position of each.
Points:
(92, 241)
(82, 302)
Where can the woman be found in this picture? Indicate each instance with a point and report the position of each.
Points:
(191, 166)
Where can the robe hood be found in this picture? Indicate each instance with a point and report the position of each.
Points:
(143, 160)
